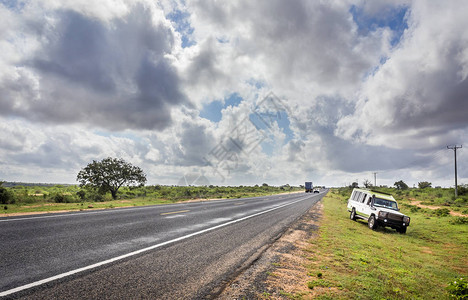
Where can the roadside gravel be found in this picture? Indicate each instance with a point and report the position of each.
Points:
(280, 269)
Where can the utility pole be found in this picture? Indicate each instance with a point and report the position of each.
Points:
(375, 179)
(454, 148)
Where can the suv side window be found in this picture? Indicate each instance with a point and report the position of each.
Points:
(356, 195)
(364, 198)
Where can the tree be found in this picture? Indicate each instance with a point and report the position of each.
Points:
(110, 174)
(354, 185)
(367, 183)
(6, 197)
(424, 184)
(401, 185)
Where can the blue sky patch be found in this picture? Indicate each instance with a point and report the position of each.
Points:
(212, 111)
(13, 5)
(182, 25)
(392, 17)
(256, 83)
(265, 121)
(223, 40)
(123, 134)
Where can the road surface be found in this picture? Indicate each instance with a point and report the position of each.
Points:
(187, 250)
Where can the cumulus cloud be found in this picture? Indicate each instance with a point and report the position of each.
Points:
(107, 71)
(417, 98)
(368, 85)
(299, 45)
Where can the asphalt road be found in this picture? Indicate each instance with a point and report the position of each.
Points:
(179, 251)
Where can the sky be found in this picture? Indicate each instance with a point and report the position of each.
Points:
(235, 92)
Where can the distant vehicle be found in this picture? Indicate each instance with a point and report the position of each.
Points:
(378, 208)
(316, 191)
(308, 187)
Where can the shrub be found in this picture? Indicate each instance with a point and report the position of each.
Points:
(59, 198)
(98, 197)
(319, 283)
(463, 189)
(81, 194)
(458, 289)
(6, 197)
(459, 221)
(441, 212)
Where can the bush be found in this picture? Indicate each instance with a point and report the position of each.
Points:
(441, 212)
(459, 221)
(59, 198)
(6, 197)
(458, 289)
(463, 189)
(81, 194)
(97, 197)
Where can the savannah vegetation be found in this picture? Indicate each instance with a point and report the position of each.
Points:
(113, 182)
(33, 198)
(347, 260)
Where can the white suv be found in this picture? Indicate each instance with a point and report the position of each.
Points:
(378, 208)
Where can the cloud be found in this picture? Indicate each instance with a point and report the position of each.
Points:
(112, 73)
(417, 98)
(369, 86)
(287, 45)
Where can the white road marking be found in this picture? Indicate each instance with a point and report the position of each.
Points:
(174, 212)
(108, 261)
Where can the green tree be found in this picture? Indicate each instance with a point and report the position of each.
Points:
(424, 184)
(6, 197)
(354, 185)
(110, 174)
(401, 185)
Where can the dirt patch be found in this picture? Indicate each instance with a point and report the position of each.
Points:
(281, 269)
(426, 250)
(433, 207)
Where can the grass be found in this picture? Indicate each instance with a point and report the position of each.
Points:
(358, 263)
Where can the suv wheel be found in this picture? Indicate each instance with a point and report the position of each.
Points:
(372, 222)
(352, 216)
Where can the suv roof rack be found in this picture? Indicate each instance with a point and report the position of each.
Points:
(375, 191)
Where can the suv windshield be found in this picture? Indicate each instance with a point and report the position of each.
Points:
(385, 203)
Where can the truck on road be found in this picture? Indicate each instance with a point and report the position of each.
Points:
(309, 187)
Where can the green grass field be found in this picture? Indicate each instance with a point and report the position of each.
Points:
(349, 261)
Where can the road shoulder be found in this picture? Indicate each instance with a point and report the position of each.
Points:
(280, 269)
